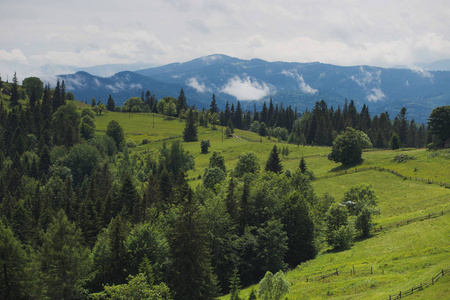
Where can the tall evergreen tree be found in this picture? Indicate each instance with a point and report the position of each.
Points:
(182, 102)
(110, 105)
(273, 162)
(63, 260)
(190, 129)
(230, 201)
(15, 281)
(237, 119)
(193, 277)
(213, 106)
(14, 100)
(299, 226)
(302, 165)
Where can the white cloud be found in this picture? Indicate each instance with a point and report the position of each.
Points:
(375, 95)
(367, 77)
(199, 87)
(16, 55)
(305, 88)
(422, 72)
(246, 88)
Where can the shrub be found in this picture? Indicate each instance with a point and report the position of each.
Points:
(204, 145)
(402, 158)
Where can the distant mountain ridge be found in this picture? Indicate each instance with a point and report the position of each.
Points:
(297, 84)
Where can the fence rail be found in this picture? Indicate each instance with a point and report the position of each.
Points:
(412, 220)
(421, 286)
(381, 169)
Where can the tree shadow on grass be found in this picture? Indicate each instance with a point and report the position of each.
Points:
(343, 168)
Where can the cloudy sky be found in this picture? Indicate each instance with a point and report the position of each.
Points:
(90, 32)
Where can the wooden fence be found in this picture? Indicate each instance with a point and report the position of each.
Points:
(421, 286)
(412, 220)
(353, 271)
(356, 170)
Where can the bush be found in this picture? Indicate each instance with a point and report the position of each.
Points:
(204, 145)
(144, 141)
(402, 158)
(130, 144)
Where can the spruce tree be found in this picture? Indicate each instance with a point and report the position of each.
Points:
(235, 286)
(63, 260)
(299, 226)
(15, 278)
(110, 105)
(273, 162)
(230, 201)
(128, 196)
(213, 106)
(302, 165)
(192, 277)
(190, 129)
(14, 100)
(181, 103)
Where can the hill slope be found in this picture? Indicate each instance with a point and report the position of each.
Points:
(401, 257)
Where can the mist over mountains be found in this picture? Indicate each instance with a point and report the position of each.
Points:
(254, 81)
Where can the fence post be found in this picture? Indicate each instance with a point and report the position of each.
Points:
(337, 273)
(371, 271)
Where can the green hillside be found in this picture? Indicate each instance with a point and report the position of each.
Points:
(401, 256)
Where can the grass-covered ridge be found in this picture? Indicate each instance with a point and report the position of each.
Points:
(400, 257)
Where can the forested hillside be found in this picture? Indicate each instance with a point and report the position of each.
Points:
(159, 199)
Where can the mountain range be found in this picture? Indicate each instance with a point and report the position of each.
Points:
(255, 81)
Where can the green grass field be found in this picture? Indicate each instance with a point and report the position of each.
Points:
(401, 257)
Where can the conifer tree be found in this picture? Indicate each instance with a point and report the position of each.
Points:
(109, 255)
(14, 100)
(244, 207)
(44, 162)
(56, 100)
(152, 194)
(213, 106)
(63, 260)
(273, 162)
(15, 280)
(190, 129)
(230, 201)
(22, 221)
(235, 286)
(302, 165)
(299, 226)
(110, 105)
(128, 196)
(181, 103)
(192, 277)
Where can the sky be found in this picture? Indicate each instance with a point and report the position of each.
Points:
(86, 33)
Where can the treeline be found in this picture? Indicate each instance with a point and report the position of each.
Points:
(320, 126)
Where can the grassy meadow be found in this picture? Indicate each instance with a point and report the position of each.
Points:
(401, 257)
